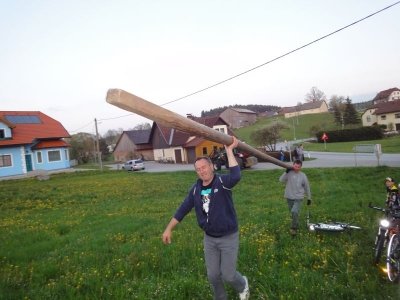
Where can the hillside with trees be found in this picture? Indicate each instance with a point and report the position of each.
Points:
(258, 108)
(301, 127)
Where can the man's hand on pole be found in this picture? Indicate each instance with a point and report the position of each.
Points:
(229, 152)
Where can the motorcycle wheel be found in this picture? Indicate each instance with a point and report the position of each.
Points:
(393, 258)
(240, 162)
(378, 249)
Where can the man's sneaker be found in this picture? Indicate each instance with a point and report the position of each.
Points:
(246, 292)
(293, 232)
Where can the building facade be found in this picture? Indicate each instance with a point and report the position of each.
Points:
(31, 141)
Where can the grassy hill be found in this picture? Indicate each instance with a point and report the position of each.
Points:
(298, 127)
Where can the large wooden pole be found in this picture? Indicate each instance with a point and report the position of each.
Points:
(132, 103)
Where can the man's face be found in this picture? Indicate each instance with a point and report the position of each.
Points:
(204, 170)
(296, 167)
(389, 183)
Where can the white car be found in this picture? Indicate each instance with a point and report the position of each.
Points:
(134, 165)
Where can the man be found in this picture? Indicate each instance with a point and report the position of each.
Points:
(392, 197)
(296, 187)
(211, 198)
(300, 152)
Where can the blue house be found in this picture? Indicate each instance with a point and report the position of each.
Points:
(31, 140)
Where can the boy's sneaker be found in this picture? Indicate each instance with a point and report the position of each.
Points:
(246, 292)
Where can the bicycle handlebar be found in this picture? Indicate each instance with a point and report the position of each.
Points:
(393, 212)
(378, 208)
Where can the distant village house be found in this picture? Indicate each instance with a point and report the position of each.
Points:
(238, 117)
(29, 141)
(387, 96)
(385, 110)
(316, 107)
(166, 144)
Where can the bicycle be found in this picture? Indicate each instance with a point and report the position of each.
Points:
(389, 234)
(332, 227)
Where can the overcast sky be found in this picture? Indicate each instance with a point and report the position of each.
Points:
(61, 57)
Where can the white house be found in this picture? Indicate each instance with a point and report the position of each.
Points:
(386, 114)
(304, 109)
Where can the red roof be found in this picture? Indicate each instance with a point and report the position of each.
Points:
(172, 136)
(387, 107)
(194, 142)
(9, 124)
(51, 144)
(30, 126)
(385, 94)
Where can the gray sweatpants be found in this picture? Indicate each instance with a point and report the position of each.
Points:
(294, 209)
(221, 258)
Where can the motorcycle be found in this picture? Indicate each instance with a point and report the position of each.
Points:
(388, 236)
(218, 157)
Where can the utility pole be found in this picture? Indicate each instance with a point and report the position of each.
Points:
(294, 130)
(98, 145)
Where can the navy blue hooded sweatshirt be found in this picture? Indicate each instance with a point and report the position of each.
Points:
(221, 219)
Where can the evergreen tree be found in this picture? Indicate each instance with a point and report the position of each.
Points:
(337, 115)
(350, 113)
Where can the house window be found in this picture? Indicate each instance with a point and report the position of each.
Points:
(220, 129)
(54, 155)
(368, 119)
(397, 116)
(2, 134)
(39, 157)
(5, 161)
(383, 117)
(204, 150)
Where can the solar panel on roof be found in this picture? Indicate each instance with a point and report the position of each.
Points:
(21, 119)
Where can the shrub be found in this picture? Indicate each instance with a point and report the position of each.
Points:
(356, 134)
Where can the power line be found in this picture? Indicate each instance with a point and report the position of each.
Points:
(281, 56)
(108, 119)
(82, 127)
(261, 65)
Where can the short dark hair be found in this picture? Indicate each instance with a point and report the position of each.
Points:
(203, 157)
(298, 162)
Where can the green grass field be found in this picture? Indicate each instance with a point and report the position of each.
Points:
(388, 145)
(301, 126)
(97, 235)
(301, 130)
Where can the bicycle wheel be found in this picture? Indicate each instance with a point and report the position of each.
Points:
(378, 248)
(393, 258)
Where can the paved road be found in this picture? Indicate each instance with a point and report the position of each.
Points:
(318, 160)
(336, 159)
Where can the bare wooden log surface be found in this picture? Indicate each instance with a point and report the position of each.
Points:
(151, 111)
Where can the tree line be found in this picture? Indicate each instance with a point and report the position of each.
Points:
(257, 108)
